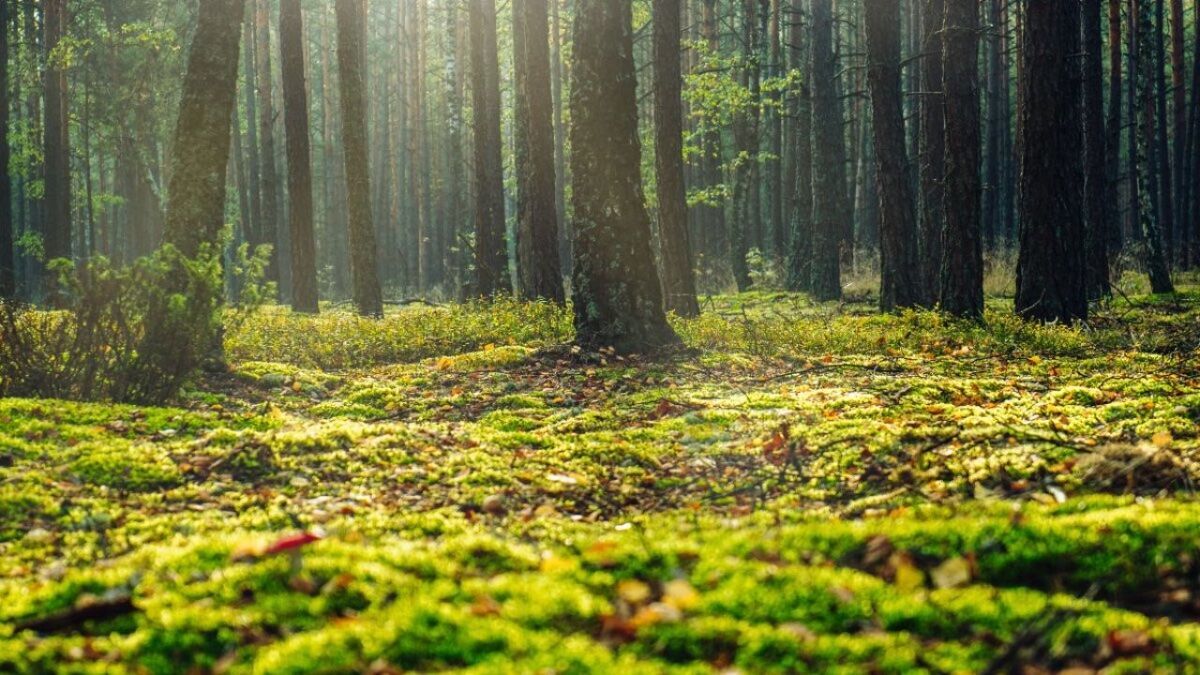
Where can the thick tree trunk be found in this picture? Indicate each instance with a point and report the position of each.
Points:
(901, 279)
(8, 276)
(200, 153)
(1051, 283)
(491, 250)
(364, 271)
(829, 190)
(57, 229)
(962, 254)
(537, 213)
(617, 297)
(678, 281)
(299, 156)
(933, 149)
(1097, 184)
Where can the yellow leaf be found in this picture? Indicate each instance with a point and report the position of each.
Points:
(680, 595)
(954, 573)
(1162, 439)
(908, 577)
(633, 591)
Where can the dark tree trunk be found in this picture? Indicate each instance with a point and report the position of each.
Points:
(800, 253)
(901, 278)
(829, 190)
(714, 242)
(537, 213)
(8, 276)
(746, 225)
(1095, 157)
(1162, 151)
(364, 270)
(200, 154)
(1179, 113)
(933, 149)
(1116, 90)
(491, 252)
(617, 297)
(295, 104)
(991, 164)
(678, 281)
(266, 132)
(774, 133)
(962, 253)
(1147, 149)
(254, 160)
(57, 232)
(1051, 282)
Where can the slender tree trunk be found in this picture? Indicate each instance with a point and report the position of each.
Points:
(266, 127)
(801, 255)
(1147, 146)
(491, 250)
(364, 271)
(1116, 90)
(991, 165)
(1095, 158)
(933, 150)
(560, 137)
(1162, 151)
(746, 225)
(255, 159)
(537, 214)
(774, 127)
(715, 244)
(901, 279)
(678, 281)
(962, 255)
(617, 300)
(1179, 112)
(200, 153)
(8, 276)
(57, 234)
(1051, 281)
(829, 192)
(295, 98)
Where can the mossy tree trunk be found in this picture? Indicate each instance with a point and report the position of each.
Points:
(364, 265)
(617, 298)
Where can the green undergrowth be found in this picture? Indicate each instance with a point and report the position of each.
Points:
(805, 488)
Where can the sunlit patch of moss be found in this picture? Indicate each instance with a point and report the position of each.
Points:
(125, 466)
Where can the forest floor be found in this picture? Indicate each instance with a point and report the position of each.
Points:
(801, 489)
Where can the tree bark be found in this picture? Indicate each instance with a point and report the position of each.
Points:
(538, 265)
(8, 275)
(933, 149)
(678, 280)
(1051, 282)
(901, 279)
(266, 133)
(800, 254)
(746, 225)
(617, 297)
(200, 154)
(829, 190)
(1113, 126)
(1147, 148)
(1097, 184)
(57, 224)
(364, 271)
(491, 249)
(299, 156)
(962, 253)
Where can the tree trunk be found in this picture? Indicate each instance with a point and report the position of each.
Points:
(266, 133)
(962, 254)
(746, 225)
(537, 213)
(57, 227)
(1116, 90)
(678, 281)
(1147, 148)
(491, 250)
(295, 103)
(1095, 158)
(1051, 282)
(200, 153)
(901, 279)
(800, 255)
(364, 271)
(933, 150)
(255, 234)
(8, 276)
(1179, 112)
(774, 142)
(829, 191)
(1162, 151)
(617, 297)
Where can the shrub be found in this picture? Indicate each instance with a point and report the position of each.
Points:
(130, 334)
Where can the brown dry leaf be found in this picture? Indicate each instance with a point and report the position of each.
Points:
(954, 573)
